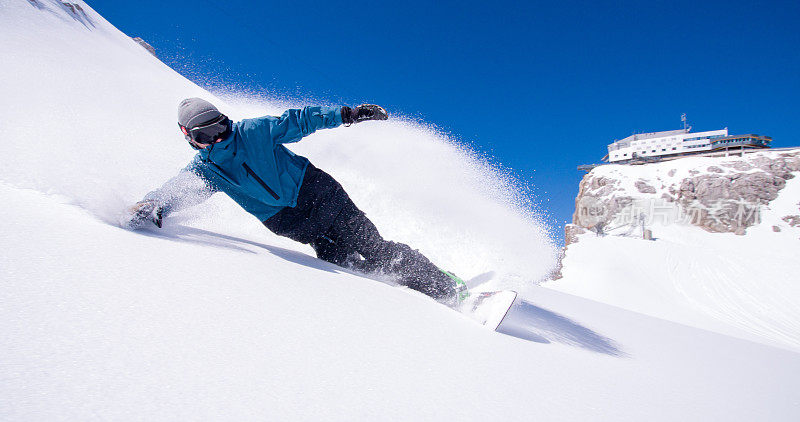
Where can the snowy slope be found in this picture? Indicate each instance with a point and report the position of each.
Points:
(740, 285)
(272, 333)
(213, 317)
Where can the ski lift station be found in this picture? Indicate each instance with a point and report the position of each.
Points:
(680, 142)
(641, 148)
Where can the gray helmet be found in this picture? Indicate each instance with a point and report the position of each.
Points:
(201, 123)
(193, 112)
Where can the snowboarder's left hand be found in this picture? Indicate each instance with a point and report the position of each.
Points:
(363, 112)
(142, 212)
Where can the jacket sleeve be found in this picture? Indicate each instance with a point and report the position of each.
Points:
(294, 124)
(187, 189)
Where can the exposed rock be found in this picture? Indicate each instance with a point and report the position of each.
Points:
(738, 165)
(591, 210)
(729, 203)
(587, 210)
(146, 45)
(571, 232)
(776, 229)
(643, 187)
(77, 13)
(672, 172)
(711, 198)
(725, 204)
(74, 10)
(786, 163)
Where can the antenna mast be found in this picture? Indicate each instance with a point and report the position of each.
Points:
(686, 127)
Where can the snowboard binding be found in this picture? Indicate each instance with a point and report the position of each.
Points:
(461, 292)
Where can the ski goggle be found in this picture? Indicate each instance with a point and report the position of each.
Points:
(206, 133)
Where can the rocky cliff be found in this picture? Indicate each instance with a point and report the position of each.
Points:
(718, 194)
(721, 250)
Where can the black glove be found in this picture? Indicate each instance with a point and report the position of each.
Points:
(143, 212)
(363, 112)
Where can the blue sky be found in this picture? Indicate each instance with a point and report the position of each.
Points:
(539, 86)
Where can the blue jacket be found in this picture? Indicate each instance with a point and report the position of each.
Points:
(251, 166)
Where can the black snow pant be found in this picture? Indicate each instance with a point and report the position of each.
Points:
(326, 218)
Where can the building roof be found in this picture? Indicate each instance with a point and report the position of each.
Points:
(650, 135)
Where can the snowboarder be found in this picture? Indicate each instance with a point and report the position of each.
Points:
(247, 160)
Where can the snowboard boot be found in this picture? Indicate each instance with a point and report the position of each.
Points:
(460, 288)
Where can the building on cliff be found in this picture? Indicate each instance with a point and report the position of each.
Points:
(654, 146)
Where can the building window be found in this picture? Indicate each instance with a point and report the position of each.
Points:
(673, 148)
(654, 150)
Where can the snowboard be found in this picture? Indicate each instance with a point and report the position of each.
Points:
(489, 308)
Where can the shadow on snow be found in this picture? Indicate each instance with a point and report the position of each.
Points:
(524, 320)
(533, 323)
(205, 237)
